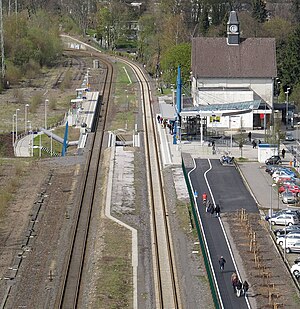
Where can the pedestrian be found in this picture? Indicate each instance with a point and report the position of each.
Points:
(208, 205)
(283, 153)
(238, 288)
(217, 210)
(222, 263)
(245, 287)
(254, 144)
(158, 118)
(295, 161)
(204, 197)
(259, 141)
(249, 136)
(212, 210)
(234, 280)
(213, 149)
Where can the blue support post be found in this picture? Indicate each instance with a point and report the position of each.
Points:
(65, 144)
(178, 107)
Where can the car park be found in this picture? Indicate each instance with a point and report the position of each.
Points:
(284, 219)
(295, 270)
(288, 240)
(273, 160)
(292, 248)
(288, 229)
(289, 198)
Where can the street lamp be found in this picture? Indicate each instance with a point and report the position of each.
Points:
(26, 107)
(13, 130)
(31, 138)
(17, 125)
(287, 107)
(271, 203)
(46, 102)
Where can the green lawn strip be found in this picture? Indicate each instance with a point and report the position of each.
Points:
(115, 281)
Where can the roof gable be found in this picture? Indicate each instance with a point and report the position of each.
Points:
(252, 58)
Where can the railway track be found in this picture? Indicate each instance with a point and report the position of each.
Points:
(167, 292)
(166, 287)
(70, 287)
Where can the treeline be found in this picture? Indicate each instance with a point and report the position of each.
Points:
(159, 33)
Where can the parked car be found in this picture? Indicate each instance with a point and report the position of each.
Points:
(284, 219)
(287, 230)
(297, 260)
(273, 160)
(295, 247)
(295, 270)
(289, 198)
(272, 168)
(283, 172)
(289, 187)
(288, 240)
(289, 136)
(288, 211)
(284, 178)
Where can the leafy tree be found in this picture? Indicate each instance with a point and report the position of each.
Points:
(259, 11)
(204, 21)
(295, 10)
(179, 55)
(289, 59)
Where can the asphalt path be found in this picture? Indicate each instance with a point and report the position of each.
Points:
(224, 186)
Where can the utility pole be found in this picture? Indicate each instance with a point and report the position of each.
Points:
(2, 42)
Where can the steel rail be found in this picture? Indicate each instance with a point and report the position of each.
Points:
(70, 287)
(166, 285)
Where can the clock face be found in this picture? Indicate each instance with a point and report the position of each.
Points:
(233, 28)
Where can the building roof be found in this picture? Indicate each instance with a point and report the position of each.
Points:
(251, 58)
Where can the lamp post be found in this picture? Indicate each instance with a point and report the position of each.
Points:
(271, 203)
(31, 138)
(16, 125)
(46, 102)
(13, 130)
(26, 107)
(287, 107)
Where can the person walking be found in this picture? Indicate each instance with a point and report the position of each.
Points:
(222, 262)
(212, 210)
(217, 210)
(208, 206)
(238, 288)
(283, 153)
(245, 287)
(234, 280)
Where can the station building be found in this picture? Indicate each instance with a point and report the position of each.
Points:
(232, 83)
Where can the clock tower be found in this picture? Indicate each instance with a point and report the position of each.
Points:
(233, 29)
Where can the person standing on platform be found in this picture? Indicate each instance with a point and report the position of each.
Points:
(249, 136)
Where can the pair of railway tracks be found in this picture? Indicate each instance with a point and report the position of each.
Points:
(166, 287)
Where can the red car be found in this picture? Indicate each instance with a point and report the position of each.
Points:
(291, 188)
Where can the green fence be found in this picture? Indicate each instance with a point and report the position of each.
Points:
(201, 241)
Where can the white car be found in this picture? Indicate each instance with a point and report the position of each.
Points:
(284, 219)
(295, 270)
(288, 240)
(292, 248)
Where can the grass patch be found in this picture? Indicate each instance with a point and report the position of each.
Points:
(115, 283)
(45, 141)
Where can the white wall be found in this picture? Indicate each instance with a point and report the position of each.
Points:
(261, 87)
